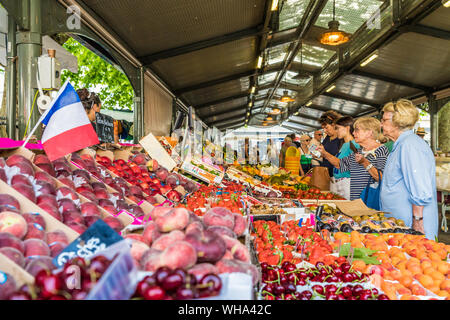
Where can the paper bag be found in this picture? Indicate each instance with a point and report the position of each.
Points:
(320, 178)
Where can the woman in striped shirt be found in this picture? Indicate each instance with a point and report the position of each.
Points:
(371, 158)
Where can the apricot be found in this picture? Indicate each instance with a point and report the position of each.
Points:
(403, 291)
(408, 297)
(445, 285)
(442, 293)
(359, 265)
(437, 276)
(406, 280)
(425, 264)
(396, 274)
(426, 281)
(428, 271)
(434, 256)
(417, 290)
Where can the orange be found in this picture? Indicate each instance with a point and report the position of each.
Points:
(406, 280)
(445, 285)
(426, 281)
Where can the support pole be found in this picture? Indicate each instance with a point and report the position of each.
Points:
(29, 47)
(11, 79)
(139, 108)
(432, 103)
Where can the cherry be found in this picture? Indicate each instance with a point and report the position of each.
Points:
(375, 291)
(292, 277)
(172, 282)
(358, 290)
(331, 288)
(347, 292)
(347, 277)
(161, 273)
(301, 282)
(279, 289)
(79, 295)
(184, 293)
(283, 279)
(264, 266)
(345, 267)
(98, 267)
(323, 272)
(191, 280)
(290, 288)
(50, 286)
(78, 261)
(307, 294)
(331, 296)
(57, 298)
(334, 278)
(40, 277)
(213, 281)
(272, 275)
(317, 288)
(338, 271)
(20, 295)
(87, 285)
(319, 264)
(365, 296)
(302, 275)
(181, 272)
(269, 287)
(154, 293)
(383, 297)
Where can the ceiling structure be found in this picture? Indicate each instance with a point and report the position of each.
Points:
(207, 53)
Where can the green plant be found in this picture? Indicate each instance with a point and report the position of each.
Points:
(115, 91)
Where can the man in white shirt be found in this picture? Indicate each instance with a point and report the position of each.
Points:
(317, 141)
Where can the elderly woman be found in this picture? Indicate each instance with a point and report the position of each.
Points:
(340, 182)
(408, 189)
(368, 163)
(306, 157)
(287, 143)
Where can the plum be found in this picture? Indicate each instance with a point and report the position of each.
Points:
(8, 200)
(90, 209)
(66, 204)
(44, 176)
(36, 264)
(43, 187)
(35, 218)
(57, 236)
(20, 178)
(47, 168)
(51, 210)
(47, 198)
(35, 231)
(114, 223)
(66, 193)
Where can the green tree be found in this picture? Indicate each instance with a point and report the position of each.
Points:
(97, 75)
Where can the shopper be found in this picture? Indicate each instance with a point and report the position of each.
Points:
(368, 163)
(286, 144)
(408, 189)
(306, 157)
(340, 182)
(315, 142)
(91, 103)
(331, 143)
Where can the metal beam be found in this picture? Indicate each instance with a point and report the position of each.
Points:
(349, 98)
(211, 83)
(392, 80)
(223, 100)
(303, 123)
(243, 107)
(234, 36)
(293, 122)
(230, 123)
(325, 109)
(242, 116)
(307, 116)
(295, 129)
(428, 31)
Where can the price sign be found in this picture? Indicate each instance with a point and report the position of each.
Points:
(96, 238)
(104, 127)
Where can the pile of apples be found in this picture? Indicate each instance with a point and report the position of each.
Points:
(59, 285)
(177, 238)
(148, 178)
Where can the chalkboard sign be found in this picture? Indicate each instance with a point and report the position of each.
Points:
(105, 127)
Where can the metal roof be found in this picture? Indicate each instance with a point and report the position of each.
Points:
(207, 53)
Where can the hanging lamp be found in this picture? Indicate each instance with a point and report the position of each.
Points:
(333, 36)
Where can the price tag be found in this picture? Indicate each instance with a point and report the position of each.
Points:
(96, 238)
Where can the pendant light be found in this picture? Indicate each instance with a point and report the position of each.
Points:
(333, 36)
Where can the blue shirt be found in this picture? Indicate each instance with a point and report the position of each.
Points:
(410, 178)
(332, 147)
(344, 152)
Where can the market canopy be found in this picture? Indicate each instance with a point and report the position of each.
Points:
(207, 53)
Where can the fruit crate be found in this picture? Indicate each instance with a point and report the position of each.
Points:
(117, 282)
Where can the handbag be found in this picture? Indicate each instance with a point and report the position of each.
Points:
(371, 193)
(320, 178)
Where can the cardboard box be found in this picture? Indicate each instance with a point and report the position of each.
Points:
(157, 152)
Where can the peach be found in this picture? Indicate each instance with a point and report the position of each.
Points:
(135, 236)
(240, 224)
(35, 231)
(56, 248)
(179, 254)
(70, 216)
(8, 285)
(159, 211)
(36, 264)
(89, 195)
(13, 254)
(24, 168)
(221, 230)
(26, 191)
(66, 193)
(228, 255)
(47, 198)
(212, 218)
(78, 227)
(166, 240)
(195, 227)
(114, 223)
(228, 266)
(35, 218)
(89, 209)
(3, 175)
(150, 233)
(13, 223)
(41, 158)
(68, 182)
(176, 219)
(138, 249)
(202, 269)
(101, 194)
(36, 247)
(90, 220)
(8, 208)
(10, 241)
(251, 270)
(44, 176)
(210, 246)
(8, 200)
(66, 204)
(51, 210)
(237, 249)
(98, 185)
(19, 178)
(57, 236)
(151, 260)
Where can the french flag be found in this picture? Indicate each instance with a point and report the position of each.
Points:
(67, 127)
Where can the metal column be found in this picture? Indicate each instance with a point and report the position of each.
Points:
(29, 47)
(11, 78)
(432, 104)
(139, 108)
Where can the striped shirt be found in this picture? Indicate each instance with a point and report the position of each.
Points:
(359, 177)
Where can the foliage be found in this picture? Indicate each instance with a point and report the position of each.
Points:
(97, 75)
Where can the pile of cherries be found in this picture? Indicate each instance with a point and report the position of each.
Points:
(165, 284)
(280, 283)
(74, 282)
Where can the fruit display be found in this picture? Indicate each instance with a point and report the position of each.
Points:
(58, 285)
(265, 209)
(167, 284)
(334, 220)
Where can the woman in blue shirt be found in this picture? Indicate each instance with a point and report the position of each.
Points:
(340, 182)
(408, 189)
